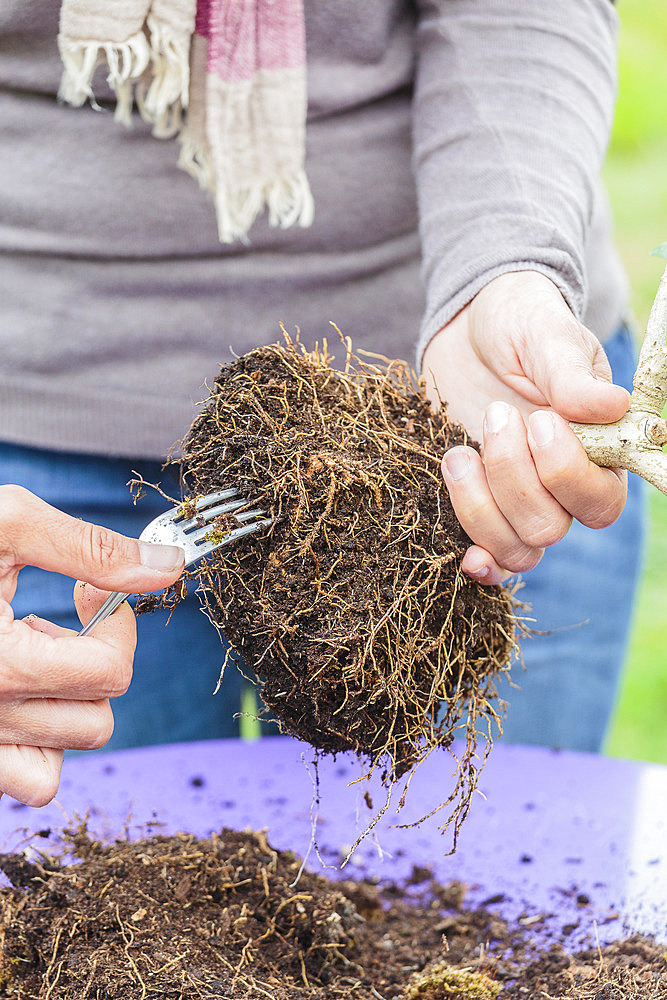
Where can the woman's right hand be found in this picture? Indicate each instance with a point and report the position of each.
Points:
(55, 686)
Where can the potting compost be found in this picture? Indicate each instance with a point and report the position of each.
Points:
(351, 608)
(177, 918)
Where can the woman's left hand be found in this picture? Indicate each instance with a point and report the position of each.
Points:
(514, 367)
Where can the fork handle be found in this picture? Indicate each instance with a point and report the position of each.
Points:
(112, 602)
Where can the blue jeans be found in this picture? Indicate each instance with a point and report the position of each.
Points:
(567, 692)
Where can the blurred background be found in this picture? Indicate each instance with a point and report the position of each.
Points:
(636, 178)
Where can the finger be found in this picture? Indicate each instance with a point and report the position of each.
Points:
(535, 515)
(46, 627)
(30, 774)
(572, 370)
(88, 599)
(119, 630)
(36, 665)
(120, 633)
(593, 495)
(478, 512)
(481, 566)
(56, 723)
(39, 535)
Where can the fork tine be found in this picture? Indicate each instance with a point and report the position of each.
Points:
(202, 504)
(205, 517)
(250, 521)
(236, 533)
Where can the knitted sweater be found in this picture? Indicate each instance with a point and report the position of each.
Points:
(448, 141)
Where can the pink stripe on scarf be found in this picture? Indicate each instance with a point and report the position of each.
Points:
(203, 18)
(246, 36)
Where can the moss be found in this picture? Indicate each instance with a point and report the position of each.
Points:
(442, 982)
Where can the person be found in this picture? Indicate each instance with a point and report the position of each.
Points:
(56, 686)
(453, 151)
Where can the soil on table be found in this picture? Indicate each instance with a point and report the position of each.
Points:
(352, 608)
(185, 919)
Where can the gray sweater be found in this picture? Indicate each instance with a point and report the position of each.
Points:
(448, 141)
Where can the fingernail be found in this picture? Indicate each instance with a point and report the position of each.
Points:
(458, 463)
(480, 573)
(475, 564)
(542, 428)
(165, 558)
(496, 418)
(485, 573)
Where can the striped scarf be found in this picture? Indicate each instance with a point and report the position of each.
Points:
(226, 77)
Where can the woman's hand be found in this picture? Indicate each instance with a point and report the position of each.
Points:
(54, 686)
(514, 367)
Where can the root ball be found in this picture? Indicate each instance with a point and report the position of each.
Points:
(352, 608)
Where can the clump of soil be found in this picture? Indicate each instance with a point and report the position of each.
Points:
(185, 919)
(352, 608)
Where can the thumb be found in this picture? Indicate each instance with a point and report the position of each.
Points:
(40, 535)
(574, 375)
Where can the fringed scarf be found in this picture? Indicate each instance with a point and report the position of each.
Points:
(227, 77)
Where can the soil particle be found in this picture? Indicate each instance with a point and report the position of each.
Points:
(187, 919)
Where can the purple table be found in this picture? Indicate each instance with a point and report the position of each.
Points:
(578, 837)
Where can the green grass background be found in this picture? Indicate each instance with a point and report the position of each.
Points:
(636, 178)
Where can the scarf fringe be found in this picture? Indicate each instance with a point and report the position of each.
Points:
(126, 63)
(289, 201)
(196, 160)
(161, 93)
(167, 94)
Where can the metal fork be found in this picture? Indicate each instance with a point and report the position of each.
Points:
(197, 535)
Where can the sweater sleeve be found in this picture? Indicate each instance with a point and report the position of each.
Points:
(512, 112)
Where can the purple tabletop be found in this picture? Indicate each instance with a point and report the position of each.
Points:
(557, 839)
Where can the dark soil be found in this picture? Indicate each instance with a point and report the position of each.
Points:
(184, 919)
(352, 608)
